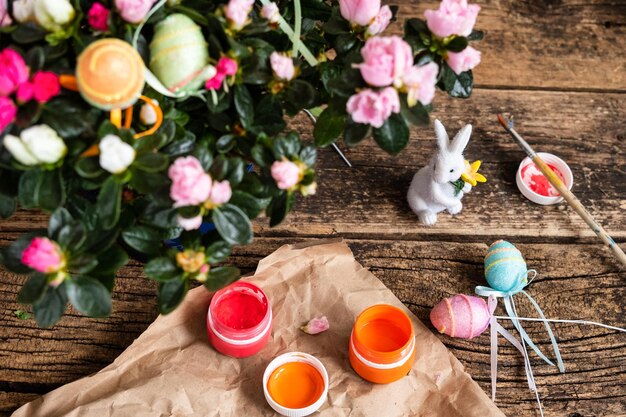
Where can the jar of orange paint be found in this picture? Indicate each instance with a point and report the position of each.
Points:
(295, 384)
(382, 344)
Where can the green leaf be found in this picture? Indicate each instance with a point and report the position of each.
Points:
(28, 33)
(35, 59)
(147, 182)
(12, 255)
(392, 136)
(72, 235)
(89, 296)
(463, 85)
(22, 314)
(83, 263)
(7, 206)
(299, 94)
(112, 259)
(225, 143)
(457, 44)
(33, 289)
(151, 162)
(171, 294)
(336, 25)
(329, 127)
(413, 27)
(279, 207)
(218, 252)
(355, 133)
(261, 155)
(59, 218)
(246, 202)
(162, 269)
(49, 309)
(286, 146)
(220, 277)
(51, 190)
(29, 185)
(268, 116)
(308, 155)
(88, 167)
(142, 239)
(416, 115)
(244, 105)
(69, 118)
(109, 202)
(232, 224)
(476, 35)
(204, 156)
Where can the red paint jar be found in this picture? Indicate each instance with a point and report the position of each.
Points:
(239, 320)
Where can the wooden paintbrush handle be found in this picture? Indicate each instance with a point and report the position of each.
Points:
(579, 208)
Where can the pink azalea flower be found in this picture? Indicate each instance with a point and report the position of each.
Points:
(316, 325)
(420, 83)
(227, 66)
(270, 12)
(192, 223)
(282, 66)
(359, 12)
(454, 17)
(190, 184)
(221, 192)
(45, 86)
(13, 71)
(8, 111)
(43, 255)
(373, 107)
(286, 174)
(133, 11)
(98, 17)
(463, 61)
(5, 18)
(237, 12)
(385, 60)
(380, 22)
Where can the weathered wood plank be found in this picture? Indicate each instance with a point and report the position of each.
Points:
(572, 283)
(557, 44)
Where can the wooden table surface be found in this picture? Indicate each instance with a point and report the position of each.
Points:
(560, 67)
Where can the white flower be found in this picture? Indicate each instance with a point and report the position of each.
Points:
(270, 12)
(36, 145)
(54, 14)
(147, 115)
(24, 10)
(115, 154)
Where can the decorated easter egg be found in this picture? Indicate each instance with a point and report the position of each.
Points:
(110, 74)
(178, 53)
(461, 316)
(505, 268)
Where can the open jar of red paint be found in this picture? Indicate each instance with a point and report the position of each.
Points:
(239, 320)
(535, 186)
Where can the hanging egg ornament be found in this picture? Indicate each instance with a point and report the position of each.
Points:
(505, 267)
(110, 74)
(461, 316)
(178, 53)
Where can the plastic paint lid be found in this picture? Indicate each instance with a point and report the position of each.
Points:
(526, 172)
(295, 384)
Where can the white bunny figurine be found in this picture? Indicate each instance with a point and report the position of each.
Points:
(431, 190)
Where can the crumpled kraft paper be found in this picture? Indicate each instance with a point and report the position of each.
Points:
(171, 370)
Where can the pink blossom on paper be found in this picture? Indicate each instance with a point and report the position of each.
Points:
(191, 223)
(286, 174)
(190, 184)
(8, 111)
(237, 12)
(282, 66)
(13, 71)
(98, 17)
(220, 193)
(359, 12)
(385, 60)
(373, 107)
(133, 11)
(43, 255)
(316, 325)
(380, 22)
(454, 17)
(463, 61)
(419, 83)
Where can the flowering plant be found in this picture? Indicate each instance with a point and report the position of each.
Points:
(207, 150)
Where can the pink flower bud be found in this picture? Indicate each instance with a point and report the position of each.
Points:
(286, 174)
(133, 11)
(43, 255)
(189, 223)
(190, 184)
(13, 71)
(373, 107)
(8, 111)
(215, 83)
(282, 66)
(98, 17)
(463, 61)
(25, 92)
(227, 66)
(237, 12)
(221, 192)
(46, 85)
(5, 18)
(359, 12)
(385, 60)
(380, 22)
(420, 83)
(454, 17)
(270, 12)
(316, 325)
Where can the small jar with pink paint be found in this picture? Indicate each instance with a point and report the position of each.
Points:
(239, 320)
(535, 186)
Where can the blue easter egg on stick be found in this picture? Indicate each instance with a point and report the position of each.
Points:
(505, 267)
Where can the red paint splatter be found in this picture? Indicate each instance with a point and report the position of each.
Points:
(239, 310)
(537, 182)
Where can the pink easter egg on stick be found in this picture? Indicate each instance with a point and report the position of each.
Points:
(461, 316)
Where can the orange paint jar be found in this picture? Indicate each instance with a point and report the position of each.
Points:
(295, 384)
(382, 344)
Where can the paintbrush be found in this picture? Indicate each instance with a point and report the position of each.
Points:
(565, 193)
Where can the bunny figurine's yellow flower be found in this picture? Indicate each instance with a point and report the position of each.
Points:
(471, 174)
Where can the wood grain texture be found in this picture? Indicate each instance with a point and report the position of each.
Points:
(559, 67)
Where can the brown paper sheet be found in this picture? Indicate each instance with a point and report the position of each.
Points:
(171, 370)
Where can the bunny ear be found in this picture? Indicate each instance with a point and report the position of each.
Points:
(461, 139)
(442, 136)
